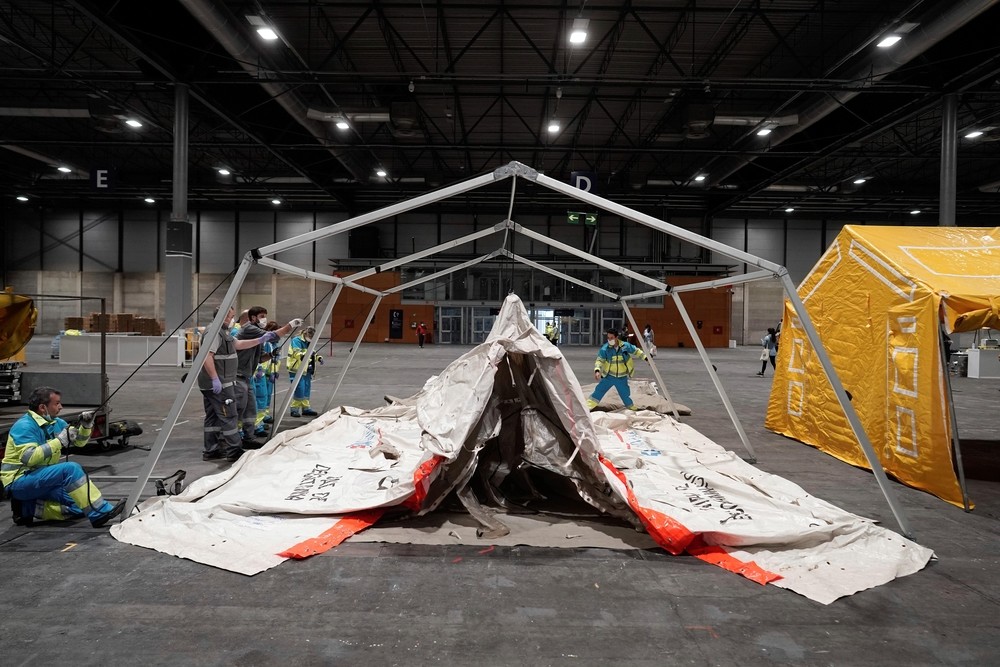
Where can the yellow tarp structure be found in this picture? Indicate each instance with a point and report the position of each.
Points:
(17, 324)
(877, 297)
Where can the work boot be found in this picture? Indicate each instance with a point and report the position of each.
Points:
(250, 443)
(309, 412)
(633, 407)
(591, 403)
(212, 455)
(260, 432)
(234, 455)
(18, 510)
(109, 515)
(269, 419)
(296, 413)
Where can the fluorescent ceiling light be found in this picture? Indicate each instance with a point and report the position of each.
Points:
(763, 132)
(267, 33)
(578, 35)
(22, 198)
(343, 125)
(381, 173)
(276, 201)
(132, 122)
(789, 209)
(860, 180)
(915, 211)
(64, 170)
(149, 200)
(224, 172)
(888, 41)
(975, 134)
(700, 177)
(554, 126)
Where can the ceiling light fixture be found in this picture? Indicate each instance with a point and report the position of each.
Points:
(578, 34)
(224, 172)
(888, 41)
(915, 211)
(789, 209)
(132, 122)
(975, 134)
(64, 170)
(276, 201)
(860, 180)
(763, 132)
(554, 126)
(267, 33)
(149, 200)
(343, 125)
(22, 198)
(700, 177)
(381, 173)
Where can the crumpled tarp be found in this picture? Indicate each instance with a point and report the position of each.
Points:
(309, 489)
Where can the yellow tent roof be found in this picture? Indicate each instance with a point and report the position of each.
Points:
(960, 264)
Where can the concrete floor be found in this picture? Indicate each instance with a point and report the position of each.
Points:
(72, 592)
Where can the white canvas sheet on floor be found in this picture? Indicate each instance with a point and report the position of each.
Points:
(691, 494)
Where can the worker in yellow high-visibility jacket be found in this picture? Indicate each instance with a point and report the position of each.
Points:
(613, 368)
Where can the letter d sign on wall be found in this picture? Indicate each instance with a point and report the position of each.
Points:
(585, 180)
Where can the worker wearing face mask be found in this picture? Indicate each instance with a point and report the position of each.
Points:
(248, 361)
(296, 357)
(40, 487)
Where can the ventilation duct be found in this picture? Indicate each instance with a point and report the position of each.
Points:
(227, 34)
(919, 41)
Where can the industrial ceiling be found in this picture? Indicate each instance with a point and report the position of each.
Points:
(662, 104)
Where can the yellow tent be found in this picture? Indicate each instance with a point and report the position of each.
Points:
(878, 298)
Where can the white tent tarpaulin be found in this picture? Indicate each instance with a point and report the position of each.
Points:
(309, 489)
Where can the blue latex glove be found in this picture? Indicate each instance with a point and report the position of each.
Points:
(216, 386)
(269, 337)
(274, 377)
(259, 374)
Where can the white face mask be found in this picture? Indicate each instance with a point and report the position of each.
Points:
(262, 322)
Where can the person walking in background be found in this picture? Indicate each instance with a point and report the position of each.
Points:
(552, 333)
(613, 368)
(296, 357)
(421, 334)
(770, 351)
(647, 333)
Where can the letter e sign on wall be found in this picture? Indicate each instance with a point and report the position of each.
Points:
(102, 178)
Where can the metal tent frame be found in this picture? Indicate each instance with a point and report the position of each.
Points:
(515, 171)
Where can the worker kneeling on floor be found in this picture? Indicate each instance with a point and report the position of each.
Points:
(40, 487)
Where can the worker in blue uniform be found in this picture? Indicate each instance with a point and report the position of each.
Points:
(40, 487)
(613, 368)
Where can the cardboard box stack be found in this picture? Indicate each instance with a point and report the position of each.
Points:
(121, 323)
(73, 323)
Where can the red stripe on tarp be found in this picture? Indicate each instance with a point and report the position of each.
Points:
(666, 531)
(717, 555)
(676, 538)
(421, 484)
(331, 537)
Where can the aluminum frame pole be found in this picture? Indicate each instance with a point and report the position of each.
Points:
(447, 245)
(387, 212)
(585, 255)
(192, 378)
(285, 402)
(715, 378)
(725, 282)
(845, 403)
(650, 221)
(354, 351)
(322, 277)
(559, 274)
(652, 365)
(442, 273)
(953, 418)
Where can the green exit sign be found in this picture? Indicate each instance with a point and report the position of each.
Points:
(576, 217)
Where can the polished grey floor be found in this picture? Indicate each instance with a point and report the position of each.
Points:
(71, 592)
